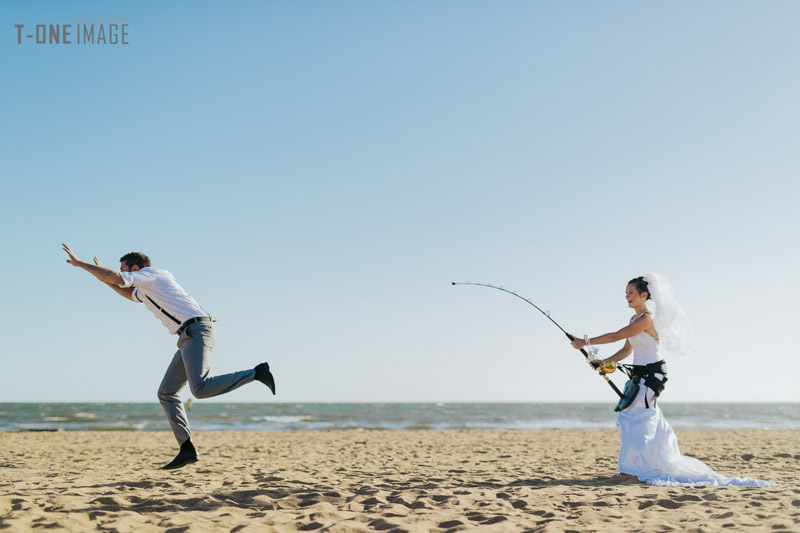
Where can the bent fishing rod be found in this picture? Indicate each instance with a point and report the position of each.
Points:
(547, 314)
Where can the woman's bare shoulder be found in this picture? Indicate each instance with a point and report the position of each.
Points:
(646, 318)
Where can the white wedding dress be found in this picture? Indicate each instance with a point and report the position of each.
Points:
(649, 447)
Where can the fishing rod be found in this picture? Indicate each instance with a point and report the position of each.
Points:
(547, 314)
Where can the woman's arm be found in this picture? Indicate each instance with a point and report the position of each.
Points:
(624, 352)
(635, 327)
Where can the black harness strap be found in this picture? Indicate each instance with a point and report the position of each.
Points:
(163, 311)
(647, 372)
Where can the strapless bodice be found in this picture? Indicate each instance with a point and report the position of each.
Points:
(645, 349)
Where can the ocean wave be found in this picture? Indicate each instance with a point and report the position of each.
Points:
(285, 419)
(207, 416)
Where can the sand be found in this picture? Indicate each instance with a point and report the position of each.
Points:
(338, 481)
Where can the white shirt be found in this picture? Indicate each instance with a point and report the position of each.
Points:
(159, 286)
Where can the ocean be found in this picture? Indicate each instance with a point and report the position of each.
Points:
(210, 416)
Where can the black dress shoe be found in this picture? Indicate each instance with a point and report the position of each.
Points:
(186, 456)
(181, 460)
(265, 376)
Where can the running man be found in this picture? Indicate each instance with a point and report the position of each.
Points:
(160, 293)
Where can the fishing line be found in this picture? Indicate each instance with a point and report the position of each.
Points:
(547, 314)
(329, 302)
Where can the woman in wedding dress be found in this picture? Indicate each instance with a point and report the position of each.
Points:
(648, 446)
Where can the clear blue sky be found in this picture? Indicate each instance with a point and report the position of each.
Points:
(316, 174)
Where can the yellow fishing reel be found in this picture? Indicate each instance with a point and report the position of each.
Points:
(608, 366)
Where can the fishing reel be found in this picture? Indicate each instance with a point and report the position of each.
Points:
(607, 367)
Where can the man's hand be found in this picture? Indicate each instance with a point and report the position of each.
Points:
(108, 276)
(73, 259)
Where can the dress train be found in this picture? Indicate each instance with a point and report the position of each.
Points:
(649, 450)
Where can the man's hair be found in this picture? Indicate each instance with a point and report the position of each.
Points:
(135, 258)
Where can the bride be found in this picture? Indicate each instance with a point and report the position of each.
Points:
(648, 446)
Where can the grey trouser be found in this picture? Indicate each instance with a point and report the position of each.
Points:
(191, 363)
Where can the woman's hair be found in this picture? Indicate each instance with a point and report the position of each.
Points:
(641, 285)
(135, 258)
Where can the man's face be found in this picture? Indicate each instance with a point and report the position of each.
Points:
(123, 267)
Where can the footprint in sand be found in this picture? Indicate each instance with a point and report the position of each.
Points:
(666, 504)
(669, 504)
(382, 525)
(310, 526)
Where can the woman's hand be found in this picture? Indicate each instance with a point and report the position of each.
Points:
(578, 343)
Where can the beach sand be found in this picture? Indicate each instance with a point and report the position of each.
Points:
(340, 481)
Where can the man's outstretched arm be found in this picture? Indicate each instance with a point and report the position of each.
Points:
(125, 292)
(106, 275)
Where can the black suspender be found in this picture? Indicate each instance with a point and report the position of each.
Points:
(163, 311)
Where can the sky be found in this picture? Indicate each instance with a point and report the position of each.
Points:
(316, 174)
